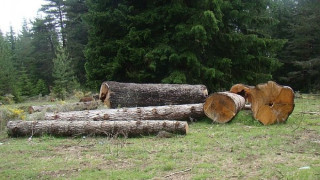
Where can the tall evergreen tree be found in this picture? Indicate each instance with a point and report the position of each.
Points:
(63, 74)
(77, 35)
(212, 42)
(7, 70)
(301, 55)
(44, 42)
(55, 10)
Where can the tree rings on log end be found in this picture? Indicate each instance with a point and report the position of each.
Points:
(272, 103)
(221, 107)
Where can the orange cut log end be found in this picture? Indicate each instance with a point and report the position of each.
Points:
(221, 107)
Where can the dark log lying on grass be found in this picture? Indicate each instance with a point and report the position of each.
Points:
(115, 94)
(270, 103)
(171, 112)
(221, 107)
(103, 128)
(78, 106)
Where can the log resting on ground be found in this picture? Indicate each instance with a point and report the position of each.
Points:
(270, 103)
(78, 106)
(221, 107)
(103, 128)
(115, 94)
(171, 112)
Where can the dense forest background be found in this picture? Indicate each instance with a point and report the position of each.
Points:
(78, 44)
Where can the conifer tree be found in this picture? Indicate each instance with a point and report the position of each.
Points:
(63, 74)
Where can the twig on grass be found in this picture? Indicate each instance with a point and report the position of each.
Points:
(186, 170)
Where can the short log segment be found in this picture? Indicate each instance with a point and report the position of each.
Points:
(221, 107)
(103, 128)
(171, 112)
(79, 106)
(115, 94)
(270, 103)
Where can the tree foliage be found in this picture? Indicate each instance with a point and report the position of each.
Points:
(211, 42)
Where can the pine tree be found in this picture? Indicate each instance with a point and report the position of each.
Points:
(301, 55)
(44, 42)
(77, 33)
(212, 42)
(55, 10)
(7, 70)
(62, 74)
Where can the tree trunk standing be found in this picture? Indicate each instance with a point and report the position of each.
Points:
(171, 112)
(79, 106)
(104, 128)
(221, 107)
(270, 103)
(115, 94)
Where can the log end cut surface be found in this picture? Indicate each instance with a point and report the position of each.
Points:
(223, 106)
(272, 103)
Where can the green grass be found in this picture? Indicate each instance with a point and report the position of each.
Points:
(242, 149)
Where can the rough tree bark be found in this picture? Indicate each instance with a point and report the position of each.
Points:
(115, 94)
(270, 103)
(103, 128)
(221, 107)
(171, 112)
(79, 106)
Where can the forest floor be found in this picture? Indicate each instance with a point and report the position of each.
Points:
(241, 149)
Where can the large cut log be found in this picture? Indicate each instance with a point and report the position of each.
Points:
(115, 94)
(104, 128)
(270, 103)
(79, 106)
(170, 112)
(221, 107)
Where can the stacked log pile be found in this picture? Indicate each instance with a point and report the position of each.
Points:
(143, 109)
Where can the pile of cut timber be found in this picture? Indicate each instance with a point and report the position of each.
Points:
(145, 109)
(270, 103)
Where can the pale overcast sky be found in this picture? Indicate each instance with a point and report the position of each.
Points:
(12, 13)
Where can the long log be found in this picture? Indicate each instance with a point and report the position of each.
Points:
(103, 128)
(221, 107)
(270, 103)
(78, 106)
(115, 94)
(171, 112)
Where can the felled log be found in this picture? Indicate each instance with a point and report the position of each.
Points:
(115, 94)
(103, 128)
(79, 106)
(221, 107)
(271, 103)
(170, 112)
(242, 90)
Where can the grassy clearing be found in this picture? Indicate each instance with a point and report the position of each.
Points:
(242, 149)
